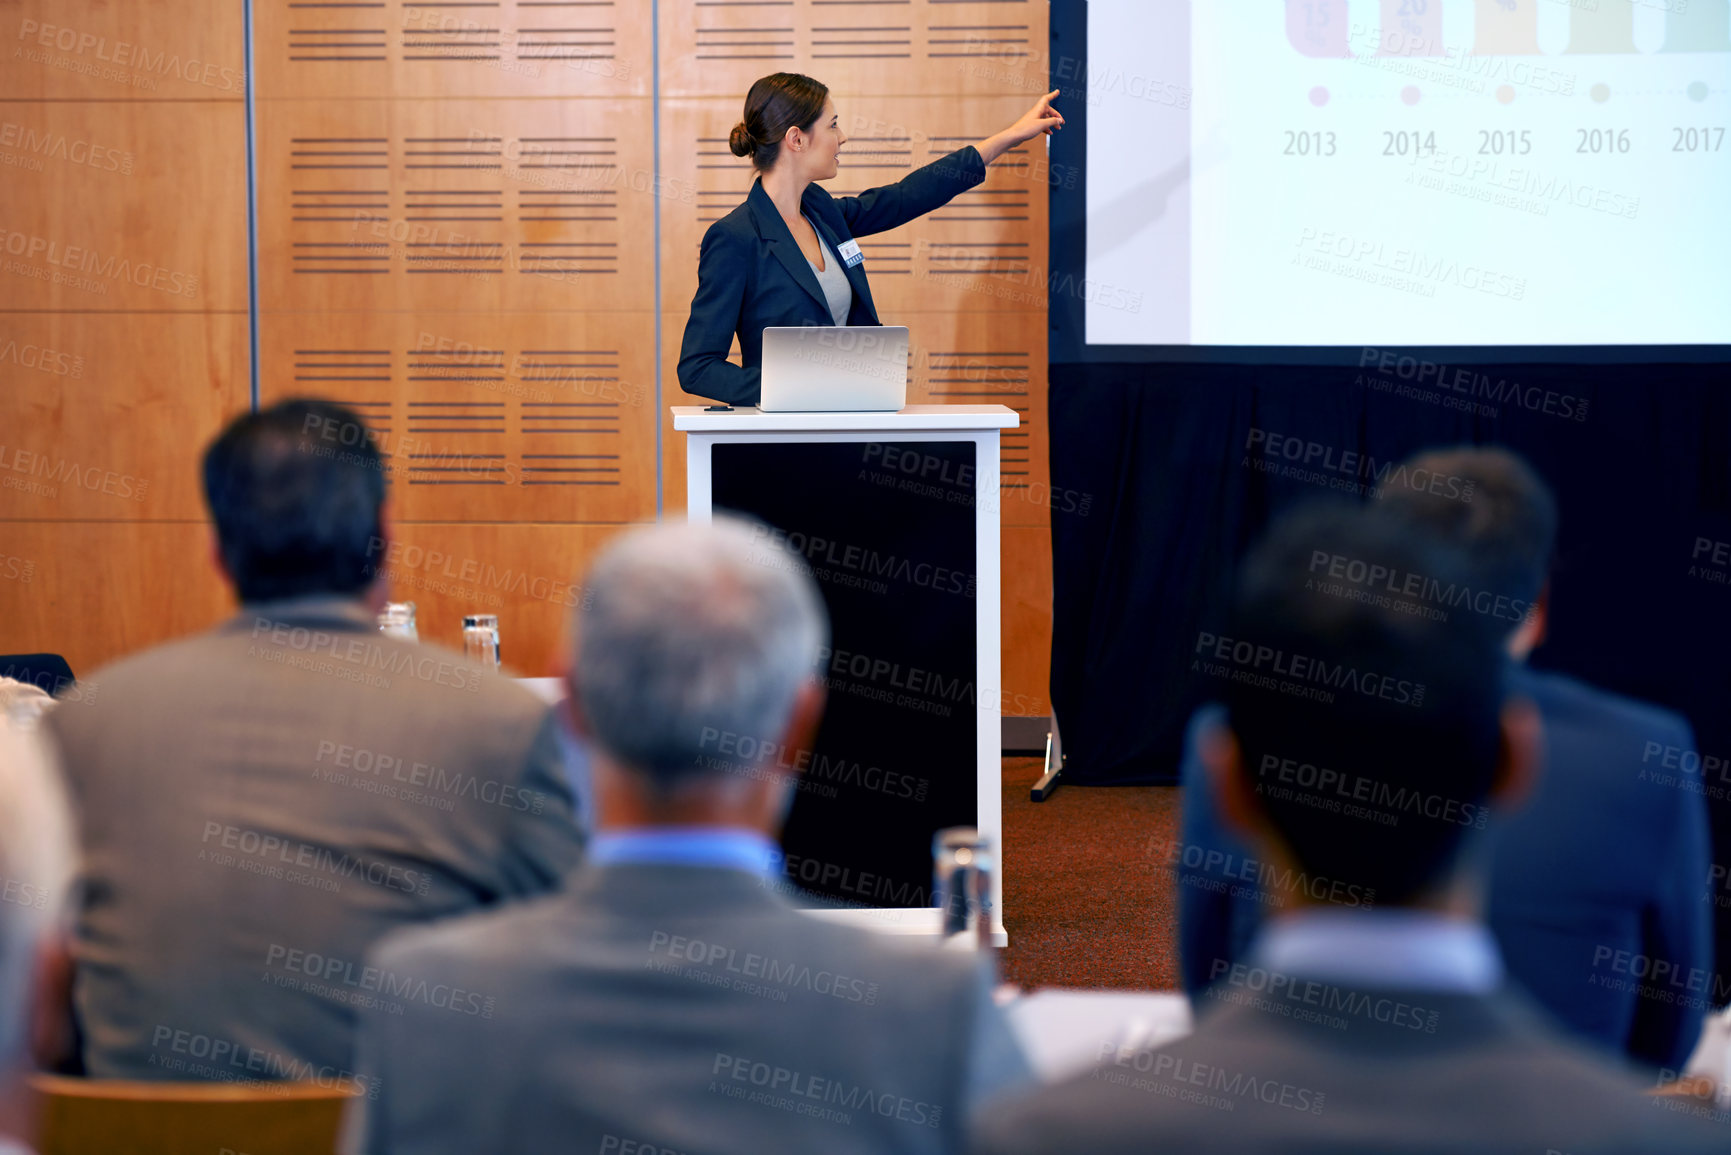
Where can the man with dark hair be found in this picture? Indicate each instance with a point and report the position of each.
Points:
(260, 802)
(297, 495)
(1601, 873)
(669, 1000)
(1361, 749)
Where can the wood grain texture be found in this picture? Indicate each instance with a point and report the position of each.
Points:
(105, 416)
(529, 575)
(484, 206)
(1027, 570)
(409, 48)
(520, 417)
(95, 591)
(953, 48)
(164, 230)
(957, 358)
(107, 51)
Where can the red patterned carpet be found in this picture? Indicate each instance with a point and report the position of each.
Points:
(1088, 900)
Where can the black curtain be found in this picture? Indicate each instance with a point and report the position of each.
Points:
(1176, 468)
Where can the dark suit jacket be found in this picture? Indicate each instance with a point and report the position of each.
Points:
(259, 803)
(751, 274)
(1602, 864)
(681, 1008)
(1353, 1072)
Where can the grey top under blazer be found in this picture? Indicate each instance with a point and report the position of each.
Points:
(259, 803)
(751, 274)
(689, 1009)
(1355, 1072)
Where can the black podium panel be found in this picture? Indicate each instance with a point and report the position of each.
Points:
(893, 550)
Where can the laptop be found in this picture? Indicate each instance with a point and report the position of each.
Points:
(835, 368)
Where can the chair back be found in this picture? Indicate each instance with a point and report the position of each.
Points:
(49, 673)
(121, 1117)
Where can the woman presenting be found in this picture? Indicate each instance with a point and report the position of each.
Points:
(788, 256)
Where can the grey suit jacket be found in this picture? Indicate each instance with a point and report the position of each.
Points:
(1316, 1069)
(684, 1009)
(259, 803)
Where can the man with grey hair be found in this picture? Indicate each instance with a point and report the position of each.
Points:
(670, 1000)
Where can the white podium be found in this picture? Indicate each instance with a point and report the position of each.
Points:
(897, 516)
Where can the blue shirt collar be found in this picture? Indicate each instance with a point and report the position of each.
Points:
(724, 847)
(1412, 949)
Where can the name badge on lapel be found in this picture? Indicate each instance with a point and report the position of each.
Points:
(850, 254)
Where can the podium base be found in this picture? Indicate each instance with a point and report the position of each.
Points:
(1048, 783)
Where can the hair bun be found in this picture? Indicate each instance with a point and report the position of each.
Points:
(740, 141)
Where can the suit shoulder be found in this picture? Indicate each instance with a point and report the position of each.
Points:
(468, 943)
(1559, 693)
(912, 972)
(465, 688)
(732, 229)
(149, 666)
(819, 199)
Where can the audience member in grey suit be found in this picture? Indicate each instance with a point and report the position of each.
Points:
(670, 999)
(1361, 1029)
(260, 802)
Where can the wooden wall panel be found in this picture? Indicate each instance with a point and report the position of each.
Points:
(164, 230)
(411, 48)
(959, 358)
(462, 259)
(109, 51)
(481, 205)
(496, 166)
(93, 591)
(960, 48)
(106, 415)
(530, 575)
(123, 328)
(1027, 620)
(519, 417)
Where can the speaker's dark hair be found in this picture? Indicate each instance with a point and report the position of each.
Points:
(775, 104)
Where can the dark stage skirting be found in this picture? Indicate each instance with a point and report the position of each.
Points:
(1174, 470)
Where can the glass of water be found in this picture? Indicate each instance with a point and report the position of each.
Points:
(481, 639)
(962, 885)
(397, 620)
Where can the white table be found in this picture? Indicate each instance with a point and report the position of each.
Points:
(1066, 1032)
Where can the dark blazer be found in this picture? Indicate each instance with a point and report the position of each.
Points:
(1604, 862)
(675, 1008)
(1354, 1072)
(258, 803)
(751, 274)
